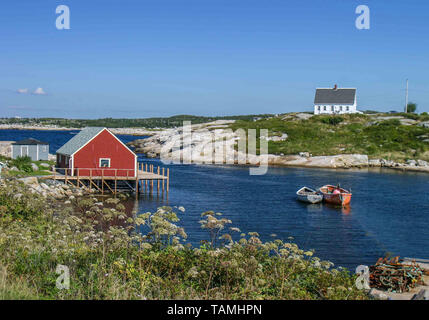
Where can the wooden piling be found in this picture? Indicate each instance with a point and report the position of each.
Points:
(163, 175)
(157, 180)
(168, 179)
(151, 181)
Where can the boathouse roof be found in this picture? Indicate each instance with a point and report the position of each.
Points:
(335, 96)
(29, 141)
(79, 140)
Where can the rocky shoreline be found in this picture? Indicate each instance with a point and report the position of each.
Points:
(54, 189)
(201, 137)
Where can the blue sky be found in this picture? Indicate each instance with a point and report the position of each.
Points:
(207, 57)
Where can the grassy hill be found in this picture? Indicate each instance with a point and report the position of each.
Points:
(396, 137)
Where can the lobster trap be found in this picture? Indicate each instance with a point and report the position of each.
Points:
(393, 276)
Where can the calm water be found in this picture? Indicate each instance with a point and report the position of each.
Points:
(389, 210)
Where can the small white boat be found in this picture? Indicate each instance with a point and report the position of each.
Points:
(308, 195)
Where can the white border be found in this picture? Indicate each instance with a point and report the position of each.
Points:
(99, 162)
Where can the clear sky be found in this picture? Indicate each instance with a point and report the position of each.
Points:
(207, 57)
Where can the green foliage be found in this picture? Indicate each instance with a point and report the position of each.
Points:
(411, 107)
(22, 163)
(110, 259)
(332, 120)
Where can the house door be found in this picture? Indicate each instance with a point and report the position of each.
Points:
(24, 151)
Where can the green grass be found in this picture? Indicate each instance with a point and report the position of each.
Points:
(29, 174)
(346, 134)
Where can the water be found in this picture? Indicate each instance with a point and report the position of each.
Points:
(389, 210)
(55, 138)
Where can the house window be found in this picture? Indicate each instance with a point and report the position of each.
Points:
(318, 108)
(324, 108)
(332, 108)
(347, 108)
(341, 108)
(104, 162)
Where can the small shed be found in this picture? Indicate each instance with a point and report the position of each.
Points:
(95, 151)
(35, 149)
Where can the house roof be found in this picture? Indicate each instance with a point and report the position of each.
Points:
(29, 141)
(335, 96)
(79, 140)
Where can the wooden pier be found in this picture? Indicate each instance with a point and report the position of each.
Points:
(112, 180)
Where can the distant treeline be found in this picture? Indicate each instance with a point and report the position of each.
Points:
(169, 122)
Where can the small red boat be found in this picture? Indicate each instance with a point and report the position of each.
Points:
(336, 195)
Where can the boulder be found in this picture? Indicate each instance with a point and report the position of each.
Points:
(422, 163)
(29, 180)
(387, 163)
(407, 122)
(377, 294)
(304, 154)
(374, 163)
(34, 167)
(45, 186)
(424, 124)
(44, 165)
(412, 163)
(283, 137)
(304, 116)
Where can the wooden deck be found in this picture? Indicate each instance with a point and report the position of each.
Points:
(108, 179)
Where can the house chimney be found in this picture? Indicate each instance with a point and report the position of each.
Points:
(335, 87)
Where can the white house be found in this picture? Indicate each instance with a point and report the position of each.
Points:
(335, 101)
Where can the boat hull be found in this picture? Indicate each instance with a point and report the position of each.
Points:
(308, 195)
(342, 199)
(310, 198)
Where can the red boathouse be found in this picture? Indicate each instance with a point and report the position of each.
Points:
(96, 151)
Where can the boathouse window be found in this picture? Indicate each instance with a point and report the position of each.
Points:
(104, 162)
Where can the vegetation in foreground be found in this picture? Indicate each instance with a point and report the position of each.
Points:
(108, 259)
(325, 135)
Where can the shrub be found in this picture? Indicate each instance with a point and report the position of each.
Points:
(333, 120)
(22, 163)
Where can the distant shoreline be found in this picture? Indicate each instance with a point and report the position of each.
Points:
(120, 131)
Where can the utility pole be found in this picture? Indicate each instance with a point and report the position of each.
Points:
(406, 98)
